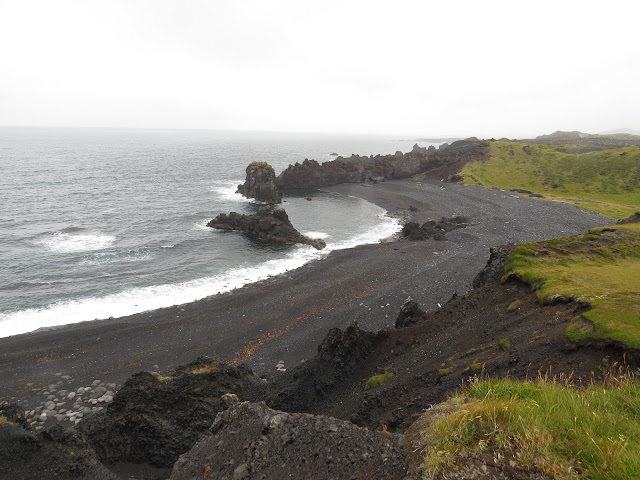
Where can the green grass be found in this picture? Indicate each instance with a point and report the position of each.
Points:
(562, 431)
(443, 372)
(504, 344)
(601, 268)
(606, 181)
(377, 380)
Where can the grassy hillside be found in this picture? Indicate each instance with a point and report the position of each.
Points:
(605, 181)
(601, 268)
(561, 431)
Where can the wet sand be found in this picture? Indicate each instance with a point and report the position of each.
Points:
(285, 317)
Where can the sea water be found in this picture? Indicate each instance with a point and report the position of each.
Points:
(100, 223)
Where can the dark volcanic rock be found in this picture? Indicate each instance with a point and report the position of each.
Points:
(635, 218)
(494, 269)
(410, 314)
(433, 229)
(251, 441)
(260, 183)
(273, 226)
(355, 169)
(155, 419)
(54, 454)
(432, 163)
(338, 355)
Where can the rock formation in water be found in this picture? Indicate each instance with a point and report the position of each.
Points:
(260, 183)
(269, 225)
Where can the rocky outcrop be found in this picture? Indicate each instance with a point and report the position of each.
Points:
(410, 314)
(494, 269)
(155, 419)
(53, 454)
(355, 169)
(260, 183)
(269, 225)
(252, 441)
(635, 218)
(430, 162)
(340, 352)
(433, 229)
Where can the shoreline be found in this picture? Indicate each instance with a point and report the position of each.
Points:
(286, 316)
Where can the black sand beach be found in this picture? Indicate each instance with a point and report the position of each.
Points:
(284, 318)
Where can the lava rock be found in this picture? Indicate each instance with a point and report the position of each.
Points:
(154, 419)
(252, 441)
(260, 183)
(269, 225)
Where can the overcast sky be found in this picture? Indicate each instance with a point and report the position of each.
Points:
(485, 68)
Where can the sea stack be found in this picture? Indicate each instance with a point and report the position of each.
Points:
(260, 183)
(274, 226)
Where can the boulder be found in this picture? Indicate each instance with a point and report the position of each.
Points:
(53, 454)
(410, 314)
(433, 229)
(269, 225)
(154, 419)
(260, 183)
(252, 441)
(339, 354)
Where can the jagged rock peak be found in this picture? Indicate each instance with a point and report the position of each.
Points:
(260, 183)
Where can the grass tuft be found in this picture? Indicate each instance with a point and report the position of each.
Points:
(514, 305)
(504, 344)
(206, 369)
(546, 426)
(601, 268)
(377, 380)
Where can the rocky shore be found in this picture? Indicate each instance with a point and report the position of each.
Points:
(275, 325)
(325, 418)
(429, 162)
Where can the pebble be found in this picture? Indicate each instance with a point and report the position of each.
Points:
(85, 400)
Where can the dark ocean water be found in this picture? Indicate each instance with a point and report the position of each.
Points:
(100, 223)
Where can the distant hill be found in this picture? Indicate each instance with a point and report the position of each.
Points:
(610, 140)
(628, 131)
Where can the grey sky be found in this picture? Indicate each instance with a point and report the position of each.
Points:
(492, 68)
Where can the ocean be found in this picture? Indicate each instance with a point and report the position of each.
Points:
(100, 223)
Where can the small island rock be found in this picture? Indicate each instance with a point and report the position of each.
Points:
(266, 224)
(260, 183)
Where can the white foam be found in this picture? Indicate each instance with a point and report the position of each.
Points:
(142, 299)
(387, 228)
(138, 300)
(128, 256)
(316, 235)
(68, 243)
(227, 191)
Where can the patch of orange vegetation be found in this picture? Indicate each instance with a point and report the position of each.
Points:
(209, 368)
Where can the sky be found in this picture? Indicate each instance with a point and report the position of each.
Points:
(422, 68)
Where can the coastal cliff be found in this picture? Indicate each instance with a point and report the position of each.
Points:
(430, 162)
